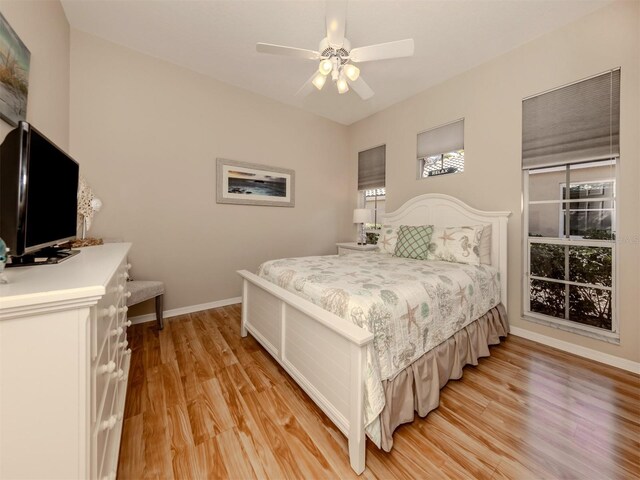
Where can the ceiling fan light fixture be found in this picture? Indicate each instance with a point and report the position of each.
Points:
(319, 80)
(343, 86)
(352, 72)
(325, 67)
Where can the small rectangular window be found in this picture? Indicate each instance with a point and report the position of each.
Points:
(441, 150)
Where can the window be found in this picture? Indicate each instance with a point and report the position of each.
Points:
(588, 218)
(441, 150)
(371, 186)
(570, 154)
(374, 199)
(570, 267)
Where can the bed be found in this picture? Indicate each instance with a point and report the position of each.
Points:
(324, 341)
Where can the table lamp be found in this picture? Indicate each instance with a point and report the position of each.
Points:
(362, 216)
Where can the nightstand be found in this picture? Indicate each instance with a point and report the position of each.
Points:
(353, 247)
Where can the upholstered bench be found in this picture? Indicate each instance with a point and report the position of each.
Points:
(142, 290)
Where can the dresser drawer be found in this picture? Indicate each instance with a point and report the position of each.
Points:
(106, 311)
(100, 374)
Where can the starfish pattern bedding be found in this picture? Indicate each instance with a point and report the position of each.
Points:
(410, 306)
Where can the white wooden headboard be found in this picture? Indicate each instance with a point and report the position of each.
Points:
(446, 211)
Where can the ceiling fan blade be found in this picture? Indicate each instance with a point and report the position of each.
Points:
(381, 51)
(336, 19)
(288, 51)
(361, 88)
(307, 87)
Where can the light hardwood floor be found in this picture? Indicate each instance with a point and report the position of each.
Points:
(205, 403)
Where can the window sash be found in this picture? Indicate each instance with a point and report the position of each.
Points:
(567, 321)
(572, 241)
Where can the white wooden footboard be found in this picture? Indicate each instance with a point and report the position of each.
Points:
(323, 353)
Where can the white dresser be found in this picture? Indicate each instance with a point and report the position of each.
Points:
(64, 363)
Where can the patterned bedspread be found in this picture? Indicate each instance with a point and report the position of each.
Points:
(410, 306)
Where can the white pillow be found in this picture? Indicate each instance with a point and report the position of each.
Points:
(485, 246)
(456, 244)
(387, 239)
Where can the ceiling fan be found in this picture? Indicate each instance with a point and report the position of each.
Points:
(336, 56)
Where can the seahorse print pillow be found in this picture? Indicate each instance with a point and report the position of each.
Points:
(456, 244)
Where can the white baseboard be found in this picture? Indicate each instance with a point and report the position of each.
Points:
(174, 312)
(622, 363)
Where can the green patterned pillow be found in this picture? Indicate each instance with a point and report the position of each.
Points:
(413, 242)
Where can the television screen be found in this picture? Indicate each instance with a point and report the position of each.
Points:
(52, 195)
(39, 192)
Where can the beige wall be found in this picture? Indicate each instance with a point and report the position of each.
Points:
(147, 134)
(43, 27)
(489, 98)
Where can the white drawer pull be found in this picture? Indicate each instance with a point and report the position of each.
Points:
(107, 368)
(109, 423)
(116, 331)
(123, 345)
(127, 323)
(127, 351)
(119, 374)
(128, 294)
(124, 309)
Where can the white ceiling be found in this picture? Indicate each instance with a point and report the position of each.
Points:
(217, 38)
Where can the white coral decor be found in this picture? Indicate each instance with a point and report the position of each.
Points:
(88, 204)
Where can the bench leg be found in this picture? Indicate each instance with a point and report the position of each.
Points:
(159, 311)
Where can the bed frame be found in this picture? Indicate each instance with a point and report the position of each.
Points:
(325, 354)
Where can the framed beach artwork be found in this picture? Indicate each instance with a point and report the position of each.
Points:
(14, 75)
(253, 184)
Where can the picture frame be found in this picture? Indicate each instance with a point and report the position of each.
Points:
(15, 59)
(244, 183)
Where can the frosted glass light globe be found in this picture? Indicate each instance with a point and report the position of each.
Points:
(325, 67)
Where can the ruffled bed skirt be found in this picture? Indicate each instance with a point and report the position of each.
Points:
(417, 387)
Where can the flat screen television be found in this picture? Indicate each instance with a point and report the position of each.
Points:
(38, 193)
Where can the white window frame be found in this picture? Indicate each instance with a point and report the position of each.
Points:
(612, 336)
(362, 203)
(561, 214)
(422, 160)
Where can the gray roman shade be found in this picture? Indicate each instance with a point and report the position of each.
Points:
(576, 123)
(371, 168)
(440, 140)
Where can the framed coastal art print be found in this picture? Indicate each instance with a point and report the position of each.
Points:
(253, 184)
(14, 75)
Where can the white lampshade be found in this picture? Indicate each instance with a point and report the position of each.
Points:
(319, 80)
(362, 215)
(325, 66)
(343, 86)
(351, 71)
